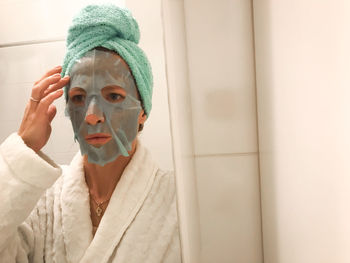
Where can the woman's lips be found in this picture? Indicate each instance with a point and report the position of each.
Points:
(98, 138)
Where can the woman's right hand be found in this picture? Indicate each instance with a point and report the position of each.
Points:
(35, 128)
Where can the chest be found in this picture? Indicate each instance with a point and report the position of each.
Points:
(97, 211)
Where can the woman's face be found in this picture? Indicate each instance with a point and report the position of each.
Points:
(104, 106)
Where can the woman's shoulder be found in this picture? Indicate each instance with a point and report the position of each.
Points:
(165, 175)
(164, 185)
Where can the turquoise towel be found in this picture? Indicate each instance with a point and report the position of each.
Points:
(113, 28)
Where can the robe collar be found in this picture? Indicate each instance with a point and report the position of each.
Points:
(126, 200)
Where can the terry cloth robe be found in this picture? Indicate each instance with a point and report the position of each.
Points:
(45, 211)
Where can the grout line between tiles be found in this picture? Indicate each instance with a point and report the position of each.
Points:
(225, 154)
(257, 130)
(32, 42)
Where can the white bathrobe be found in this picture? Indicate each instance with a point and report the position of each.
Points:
(45, 211)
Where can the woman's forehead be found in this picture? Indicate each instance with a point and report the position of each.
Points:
(98, 69)
(97, 60)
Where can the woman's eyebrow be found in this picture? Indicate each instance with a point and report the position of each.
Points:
(76, 89)
(114, 87)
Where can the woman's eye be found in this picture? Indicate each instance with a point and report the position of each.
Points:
(78, 99)
(114, 97)
(113, 94)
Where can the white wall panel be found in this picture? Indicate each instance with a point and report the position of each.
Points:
(222, 83)
(36, 20)
(229, 199)
(303, 69)
(221, 66)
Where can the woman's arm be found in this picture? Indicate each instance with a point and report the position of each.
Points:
(24, 177)
(25, 173)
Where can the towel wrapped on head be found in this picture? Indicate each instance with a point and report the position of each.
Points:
(115, 29)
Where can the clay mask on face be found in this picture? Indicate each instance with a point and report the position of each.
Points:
(103, 106)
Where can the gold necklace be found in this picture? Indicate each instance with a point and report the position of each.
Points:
(99, 209)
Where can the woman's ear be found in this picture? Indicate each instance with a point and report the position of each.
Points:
(142, 119)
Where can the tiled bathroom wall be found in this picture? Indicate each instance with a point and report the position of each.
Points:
(222, 84)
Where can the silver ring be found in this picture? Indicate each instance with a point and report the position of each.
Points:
(31, 98)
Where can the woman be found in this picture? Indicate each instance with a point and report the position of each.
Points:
(112, 203)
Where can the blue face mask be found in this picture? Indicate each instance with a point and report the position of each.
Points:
(103, 106)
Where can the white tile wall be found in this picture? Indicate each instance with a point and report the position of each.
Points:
(21, 20)
(21, 64)
(229, 208)
(222, 82)
(14, 98)
(221, 66)
(34, 20)
(8, 127)
(224, 119)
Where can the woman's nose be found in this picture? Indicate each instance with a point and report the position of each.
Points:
(93, 119)
(94, 114)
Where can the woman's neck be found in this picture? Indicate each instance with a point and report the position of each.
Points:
(102, 180)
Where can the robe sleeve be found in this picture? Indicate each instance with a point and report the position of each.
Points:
(24, 177)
